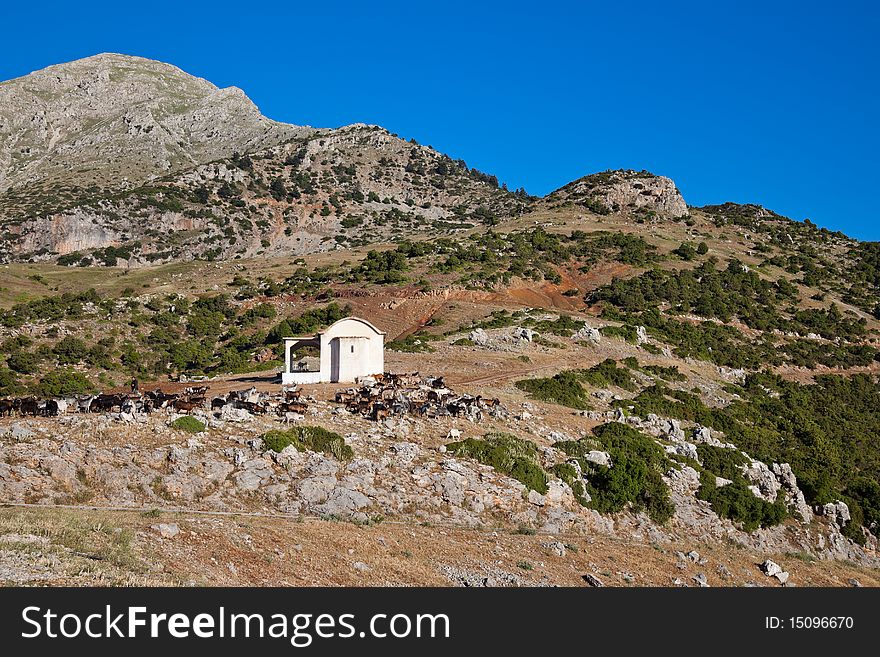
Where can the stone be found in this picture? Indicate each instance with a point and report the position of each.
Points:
(588, 334)
(360, 566)
(315, 490)
(522, 333)
(592, 580)
(599, 458)
(766, 486)
(672, 429)
(536, 498)
(686, 449)
(558, 491)
(794, 497)
(343, 502)
(782, 577)
(231, 414)
(641, 335)
(19, 432)
(479, 337)
(837, 512)
(166, 529)
(771, 568)
(556, 547)
(701, 580)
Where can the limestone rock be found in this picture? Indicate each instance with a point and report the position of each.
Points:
(479, 337)
(166, 530)
(599, 458)
(837, 512)
(634, 192)
(588, 334)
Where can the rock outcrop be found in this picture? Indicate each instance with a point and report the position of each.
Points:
(633, 192)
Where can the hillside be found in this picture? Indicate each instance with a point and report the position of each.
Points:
(682, 392)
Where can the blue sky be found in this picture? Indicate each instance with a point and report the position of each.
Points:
(773, 102)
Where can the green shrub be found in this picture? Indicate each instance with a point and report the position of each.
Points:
(506, 453)
(415, 343)
(722, 461)
(736, 502)
(24, 362)
(309, 439)
(8, 383)
(563, 388)
(635, 477)
(624, 332)
(189, 424)
(607, 373)
(62, 383)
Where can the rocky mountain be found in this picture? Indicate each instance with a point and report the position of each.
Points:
(312, 193)
(119, 160)
(144, 163)
(113, 121)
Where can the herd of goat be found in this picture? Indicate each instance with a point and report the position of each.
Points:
(384, 395)
(155, 400)
(376, 398)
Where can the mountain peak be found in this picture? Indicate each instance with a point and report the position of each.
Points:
(113, 120)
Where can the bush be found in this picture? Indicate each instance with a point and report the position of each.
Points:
(624, 332)
(415, 343)
(189, 424)
(563, 388)
(8, 383)
(70, 350)
(607, 373)
(309, 439)
(635, 477)
(62, 383)
(736, 502)
(24, 362)
(723, 462)
(508, 454)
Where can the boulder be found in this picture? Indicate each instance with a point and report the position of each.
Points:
(231, 414)
(592, 580)
(599, 458)
(166, 529)
(588, 334)
(343, 502)
(765, 485)
(556, 547)
(479, 337)
(771, 568)
(19, 432)
(837, 512)
(672, 429)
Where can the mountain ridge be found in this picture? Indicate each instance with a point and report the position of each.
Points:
(118, 159)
